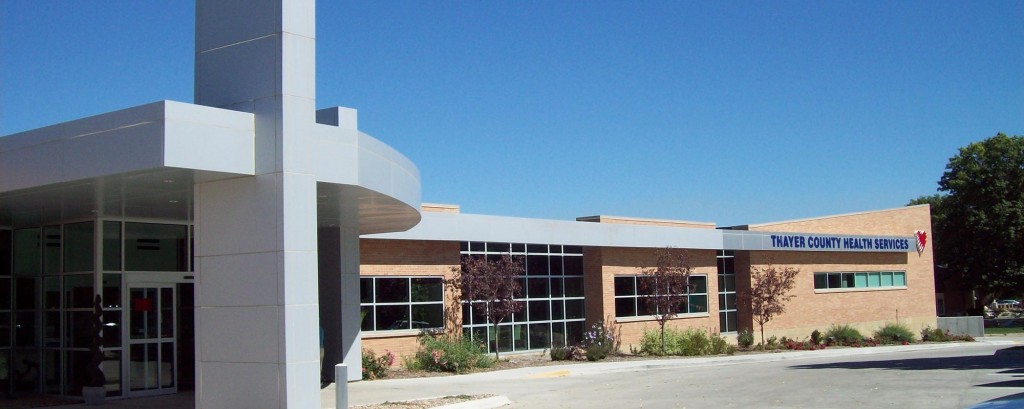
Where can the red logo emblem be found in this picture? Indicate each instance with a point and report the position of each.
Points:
(922, 239)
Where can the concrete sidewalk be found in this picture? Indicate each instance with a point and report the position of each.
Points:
(394, 390)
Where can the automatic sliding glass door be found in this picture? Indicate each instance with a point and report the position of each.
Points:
(152, 334)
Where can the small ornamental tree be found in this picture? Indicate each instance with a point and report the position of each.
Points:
(489, 284)
(666, 287)
(769, 292)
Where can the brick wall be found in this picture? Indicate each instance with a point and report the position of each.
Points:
(867, 310)
(626, 262)
(408, 258)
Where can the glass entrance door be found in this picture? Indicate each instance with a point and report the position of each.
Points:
(151, 339)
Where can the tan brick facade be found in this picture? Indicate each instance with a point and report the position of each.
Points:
(627, 262)
(407, 258)
(867, 309)
(811, 309)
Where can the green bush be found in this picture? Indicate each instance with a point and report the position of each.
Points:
(376, 367)
(690, 342)
(601, 341)
(719, 346)
(745, 338)
(559, 353)
(929, 334)
(843, 335)
(446, 353)
(816, 337)
(893, 333)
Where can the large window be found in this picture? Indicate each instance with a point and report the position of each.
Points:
(400, 303)
(553, 309)
(630, 297)
(155, 247)
(856, 280)
(726, 291)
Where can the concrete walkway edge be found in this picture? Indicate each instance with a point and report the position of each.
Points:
(485, 403)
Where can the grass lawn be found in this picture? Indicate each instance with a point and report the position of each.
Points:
(1004, 330)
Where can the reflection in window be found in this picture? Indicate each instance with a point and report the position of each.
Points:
(868, 279)
(552, 297)
(629, 297)
(51, 250)
(6, 243)
(400, 303)
(27, 252)
(78, 247)
(156, 247)
(112, 246)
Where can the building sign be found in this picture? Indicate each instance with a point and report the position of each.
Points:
(826, 242)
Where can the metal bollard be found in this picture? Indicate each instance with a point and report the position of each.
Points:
(341, 386)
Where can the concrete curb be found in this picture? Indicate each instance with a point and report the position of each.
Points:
(485, 403)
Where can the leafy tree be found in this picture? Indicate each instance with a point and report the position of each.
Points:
(769, 292)
(491, 284)
(978, 221)
(666, 287)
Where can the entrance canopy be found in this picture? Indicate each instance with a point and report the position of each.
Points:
(142, 162)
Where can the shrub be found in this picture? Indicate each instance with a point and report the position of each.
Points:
(376, 367)
(558, 353)
(802, 345)
(816, 337)
(893, 333)
(719, 346)
(569, 353)
(448, 353)
(929, 334)
(601, 341)
(745, 338)
(843, 335)
(690, 342)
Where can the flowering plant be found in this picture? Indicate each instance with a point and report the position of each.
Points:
(376, 367)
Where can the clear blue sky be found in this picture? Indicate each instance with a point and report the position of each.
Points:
(732, 112)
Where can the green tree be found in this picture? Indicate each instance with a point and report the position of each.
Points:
(979, 217)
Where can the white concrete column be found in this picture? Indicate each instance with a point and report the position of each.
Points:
(256, 239)
(351, 344)
(257, 313)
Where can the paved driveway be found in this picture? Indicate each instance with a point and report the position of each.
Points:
(927, 376)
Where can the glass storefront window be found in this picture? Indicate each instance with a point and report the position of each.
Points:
(112, 246)
(25, 329)
(51, 250)
(78, 247)
(5, 294)
(25, 293)
(156, 247)
(51, 293)
(6, 241)
(5, 329)
(111, 290)
(27, 252)
(78, 291)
